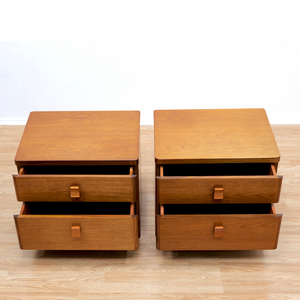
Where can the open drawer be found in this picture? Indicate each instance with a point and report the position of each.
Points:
(77, 226)
(217, 227)
(218, 183)
(76, 183)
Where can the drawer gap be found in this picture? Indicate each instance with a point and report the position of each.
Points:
(77, 208)
(218, 209)
(244, 169)
(77, 170)
(25, 210)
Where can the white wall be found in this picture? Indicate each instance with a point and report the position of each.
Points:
(150, 55)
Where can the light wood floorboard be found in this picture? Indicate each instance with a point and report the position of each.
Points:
(149, 273)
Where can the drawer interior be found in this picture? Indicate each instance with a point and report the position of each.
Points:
(243, 169)
(78, 170)
(216, 209)
(77, 208)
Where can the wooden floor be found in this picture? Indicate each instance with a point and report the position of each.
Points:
(148, 273)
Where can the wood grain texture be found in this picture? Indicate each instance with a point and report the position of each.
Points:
(241, 232)
(97, 232)
(80, 138)
(104, 188)
(150, 274)
(237, 189)
(211, 136)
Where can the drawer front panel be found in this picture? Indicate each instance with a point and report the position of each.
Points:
(217, 232)
(236, 189)
(89, 188)
(77, 232)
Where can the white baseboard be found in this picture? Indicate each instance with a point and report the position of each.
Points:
(13, 121)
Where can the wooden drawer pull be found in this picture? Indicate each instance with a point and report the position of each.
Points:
(74, 192)
(218, 193)
(76, 232)
(219, 231)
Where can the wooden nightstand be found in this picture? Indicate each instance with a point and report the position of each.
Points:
(78, 179)
(216, 180)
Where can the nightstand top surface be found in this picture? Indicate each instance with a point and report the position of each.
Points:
(214, 136)
(79, 137)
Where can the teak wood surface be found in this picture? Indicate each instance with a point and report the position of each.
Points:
(110, 188)
(94, 137)
(213, 135)
(149, 273)
(194, 232)
(237, 189)
(98, 232)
